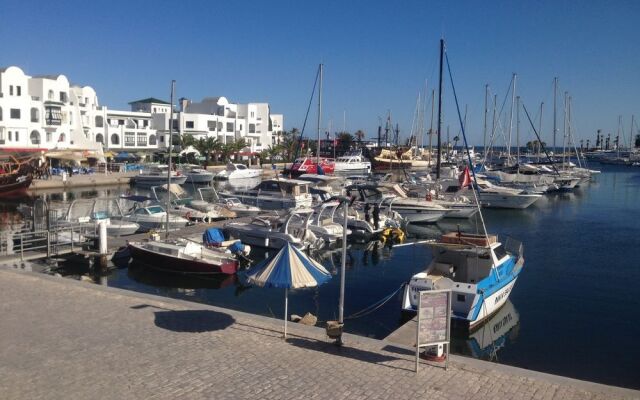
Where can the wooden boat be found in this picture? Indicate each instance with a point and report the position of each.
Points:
(183, 256)
(15, 176)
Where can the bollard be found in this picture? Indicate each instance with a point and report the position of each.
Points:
(102, 238)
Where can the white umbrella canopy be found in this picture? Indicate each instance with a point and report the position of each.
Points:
(190, 150)
(289, 268)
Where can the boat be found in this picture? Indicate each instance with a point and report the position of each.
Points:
(180, 204)
(478, 269)
(486, 339)
(274, 194)
(198, 175)
(87, 212)
(389, 159)
(309, 165)
(209, 197)
(353, 162)
(322, 222)
(238, 171)
(15, 176)
(153, 217)
(157, 176)
(183, 256)
(273, 231)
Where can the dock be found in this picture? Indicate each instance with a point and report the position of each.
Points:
(63, 338)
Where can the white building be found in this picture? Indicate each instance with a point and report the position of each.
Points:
(46, 113)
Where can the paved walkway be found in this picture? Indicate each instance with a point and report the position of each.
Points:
(64, 339)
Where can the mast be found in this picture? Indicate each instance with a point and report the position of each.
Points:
(555, 97)
(440, 111)
(564, 132)
(433, 105)
(631, 135)
(618, 135)
(319, 115)
(540, 126)
(513, 103)
(518, 132)
(170, 145)
(484, 130)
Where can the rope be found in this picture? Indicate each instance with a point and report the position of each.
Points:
(373, 307)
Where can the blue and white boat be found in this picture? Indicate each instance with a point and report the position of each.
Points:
(479, 270)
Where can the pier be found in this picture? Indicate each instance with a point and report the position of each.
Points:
(93, 341)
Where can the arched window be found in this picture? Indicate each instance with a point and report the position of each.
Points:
(99, 138)
(35, 137)
(50, 95)
(35, 115)
(62, 137)
(152, 140)
(99, 121)
(115, 139)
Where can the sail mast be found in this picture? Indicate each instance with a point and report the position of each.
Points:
(513, 103)
(484, 131)
(169, 144)
(440, 112)
(555, 96)
(319, 115)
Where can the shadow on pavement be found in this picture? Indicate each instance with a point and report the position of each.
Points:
(193, 320)
(343, 351)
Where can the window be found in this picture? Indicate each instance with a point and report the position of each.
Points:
(162, 139)
(120, 122)
(500, 252)
(35, 137)
(11, 90)
(62, 137)
(461, 298)
(0, 113)
(252, 114)
(152, 140)
(154, 109)
(35, 115)
(175, 125)
(48, 137)
(145, 123)
(129, 139)
(63, 97)
(211, 124)
(240, 127)
(252, 128)
(99, 121)
(219, 126)
(189, 124)
(15, 113)
(229, 126)
(19, 90)
(115, 139)
(99, 138)
(50, 95)
(142, 139)
(9, 136)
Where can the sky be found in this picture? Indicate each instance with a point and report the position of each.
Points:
(377, 56)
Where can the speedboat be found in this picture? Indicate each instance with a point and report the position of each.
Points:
(198, 175)
(183, 256)
(352, 162)
(182, 205)
(309, 165)
(478, 269)
(275, 194)
(157, 176)
(322, 223)
(86, 212)
(273, 232)
(209, 197)
(238, 171)
(154, 217)
(493, 196)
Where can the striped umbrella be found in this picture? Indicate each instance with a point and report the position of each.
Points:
(289, 268)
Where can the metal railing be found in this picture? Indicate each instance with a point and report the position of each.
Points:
(58, 240)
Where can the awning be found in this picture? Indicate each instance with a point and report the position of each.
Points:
(66, 155)
(109, 154)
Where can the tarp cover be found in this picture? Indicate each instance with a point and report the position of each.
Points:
(213, 236)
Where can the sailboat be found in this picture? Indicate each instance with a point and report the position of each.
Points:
(479, 269)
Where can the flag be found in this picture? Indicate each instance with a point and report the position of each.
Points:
(465, 178)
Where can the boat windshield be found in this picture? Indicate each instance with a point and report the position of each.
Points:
(155, 209)
(500, 252)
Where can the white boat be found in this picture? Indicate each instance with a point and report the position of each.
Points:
(198, 175)
(273, 232)
(209, 197)
(157, 176)
(275, 194)
(86, 212)
(322, 223)
(478, 269)
(352, 162)
(238, 171)
(154, 218)
(180, 204)
(358, 223)
(493, 196)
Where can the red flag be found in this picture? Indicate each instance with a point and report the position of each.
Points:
(465, 178)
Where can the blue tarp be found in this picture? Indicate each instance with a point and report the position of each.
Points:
(213, 236)
(124, 155)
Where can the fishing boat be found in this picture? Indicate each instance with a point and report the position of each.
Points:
(157, 176)
(478, 269)
(238, 171)
(274, 194)
(15, 176)
(183, 256)
(353, 162)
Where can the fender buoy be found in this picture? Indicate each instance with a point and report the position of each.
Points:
(428, 197)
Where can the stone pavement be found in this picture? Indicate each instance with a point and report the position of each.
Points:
(64, 339)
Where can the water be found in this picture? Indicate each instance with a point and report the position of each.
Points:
(573, 311)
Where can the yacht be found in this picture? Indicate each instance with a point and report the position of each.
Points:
(238, 171)
(493, 196)
(273, 231)
(309, 165)
(209, 198)
(198, 175)
(154, 218)
(157, 176)
(478, 269)
(353, 162)
(275, 194)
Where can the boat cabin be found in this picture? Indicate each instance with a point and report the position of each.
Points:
(291, 187)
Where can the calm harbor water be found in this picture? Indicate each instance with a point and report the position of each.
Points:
(573, 311)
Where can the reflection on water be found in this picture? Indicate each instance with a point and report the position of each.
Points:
(487, 340)
(147, 275)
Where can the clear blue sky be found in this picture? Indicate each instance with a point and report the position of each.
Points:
(377, 55)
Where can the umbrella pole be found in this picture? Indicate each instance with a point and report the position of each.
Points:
(286, 306)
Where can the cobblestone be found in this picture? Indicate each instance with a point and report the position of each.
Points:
(62, 339)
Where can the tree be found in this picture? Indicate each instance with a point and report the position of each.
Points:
(346, 139)
(208, 146)
(359, 135)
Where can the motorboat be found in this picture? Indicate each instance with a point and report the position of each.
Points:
(183, 256)
(238, 171)
(309, 165)
(478, 269)
(157, 176)
(275, 194)
(492, 196)
(322, 223)
(87, 212)
(273, 231)
(360, 222)
(209, 197)
(180, 204)
(353, 162)
(153, 217)
(198, 175)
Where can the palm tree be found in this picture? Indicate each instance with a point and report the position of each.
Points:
(208, 146)
(359, 135)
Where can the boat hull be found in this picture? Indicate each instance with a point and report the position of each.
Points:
(157, 181)
(496, 200)
(168, 263)
(15, 187)
(199, 178)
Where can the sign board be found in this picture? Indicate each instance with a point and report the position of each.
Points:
(434, 321)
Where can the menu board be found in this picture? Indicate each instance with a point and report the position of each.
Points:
(433, 319)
